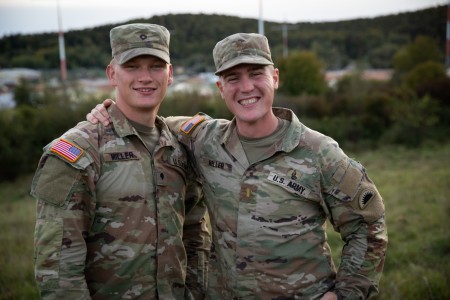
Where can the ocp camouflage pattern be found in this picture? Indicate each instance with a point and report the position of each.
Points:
(268, 219)
(111, 224)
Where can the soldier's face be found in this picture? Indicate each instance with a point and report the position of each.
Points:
(248, 91)
(141, 83)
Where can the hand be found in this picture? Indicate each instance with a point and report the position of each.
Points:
(329, 296)
(99, 113)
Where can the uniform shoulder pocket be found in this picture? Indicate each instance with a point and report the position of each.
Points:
(54, 181)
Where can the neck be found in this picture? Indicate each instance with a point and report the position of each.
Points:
(258, 129)
(142, 116)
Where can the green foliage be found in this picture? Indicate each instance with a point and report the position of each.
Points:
(194, 36)
(413, 121)
(188, 104)
(17, 218)
(425, 72)
(301, 73)
(423, 49)
(25, 130)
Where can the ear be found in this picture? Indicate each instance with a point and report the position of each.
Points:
(220, 87)
(276, 78)
(170, 74)
(111, 74)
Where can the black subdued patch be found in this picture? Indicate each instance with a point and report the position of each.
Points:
(218, 165)
(118, 156)
(66, 242)
(241, 266)
(365, 197)
(133, 198)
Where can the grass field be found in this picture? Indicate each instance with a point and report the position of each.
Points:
(415, 185)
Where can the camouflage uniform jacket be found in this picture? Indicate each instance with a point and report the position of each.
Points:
(110, 224)
(268, 218)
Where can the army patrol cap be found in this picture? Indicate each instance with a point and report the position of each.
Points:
(241, 48)
(131, 40)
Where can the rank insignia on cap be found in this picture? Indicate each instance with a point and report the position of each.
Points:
(67, 150)
(365, 197)
(191, 123)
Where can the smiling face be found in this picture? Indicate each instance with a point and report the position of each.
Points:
(141, 85)
(248, 91)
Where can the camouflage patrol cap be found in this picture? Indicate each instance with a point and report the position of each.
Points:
(131, 40)
(241, 48)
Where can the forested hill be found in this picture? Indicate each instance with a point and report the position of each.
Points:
(372, 41)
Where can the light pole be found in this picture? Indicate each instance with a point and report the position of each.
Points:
(260, 20)
(447, 48)
(62, 51)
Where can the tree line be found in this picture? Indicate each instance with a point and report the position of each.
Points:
(371, 41)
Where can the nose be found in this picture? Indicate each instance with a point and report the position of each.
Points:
(145, 75)
(246, 85)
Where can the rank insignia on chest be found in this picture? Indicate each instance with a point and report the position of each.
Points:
(247, 192)
(191, 123)
(67, 150)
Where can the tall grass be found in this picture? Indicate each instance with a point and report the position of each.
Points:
(17, 218)
(415, 185)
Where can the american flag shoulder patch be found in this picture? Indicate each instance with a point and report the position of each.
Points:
(191, 123)
(67, 150)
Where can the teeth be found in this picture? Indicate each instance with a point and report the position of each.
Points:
(248, 101)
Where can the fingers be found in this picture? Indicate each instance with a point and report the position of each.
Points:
(91, 118)
(100, 114)
(108, 102)
(329, 296)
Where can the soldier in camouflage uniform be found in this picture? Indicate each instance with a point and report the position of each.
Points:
(119, 214)
(270, 184)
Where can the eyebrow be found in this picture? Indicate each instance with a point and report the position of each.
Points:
(251, 67)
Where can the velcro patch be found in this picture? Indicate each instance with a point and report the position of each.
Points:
(217, 164)
(191, 123)
(288, 184)
(365, 197)
(67, 150)
(368, 202)
(120, 156)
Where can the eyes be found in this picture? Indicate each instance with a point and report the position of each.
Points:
(157, 66)
(235, 77)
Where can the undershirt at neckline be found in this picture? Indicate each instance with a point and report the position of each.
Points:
(255, 148)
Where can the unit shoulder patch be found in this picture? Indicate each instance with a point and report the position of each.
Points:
(191, 123)
(67, 150)
(365, 197)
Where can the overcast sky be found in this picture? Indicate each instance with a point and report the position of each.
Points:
(37, 16)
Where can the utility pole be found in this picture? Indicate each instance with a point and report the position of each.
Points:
(284, 32)
(62, 51)
(447, 50)
(260, 20)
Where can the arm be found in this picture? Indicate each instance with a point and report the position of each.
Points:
(64, 212)
(357, 212)
(196, 239)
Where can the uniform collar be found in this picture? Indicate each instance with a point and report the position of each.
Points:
(123, 127)
(291, 140)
